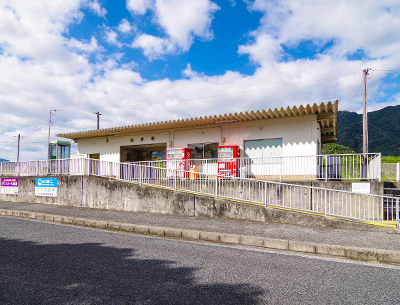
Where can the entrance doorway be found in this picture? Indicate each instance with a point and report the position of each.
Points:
(147, 152)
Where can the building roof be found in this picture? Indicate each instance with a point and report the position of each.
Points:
(326, 114)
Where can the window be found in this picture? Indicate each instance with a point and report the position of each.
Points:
(204, 150)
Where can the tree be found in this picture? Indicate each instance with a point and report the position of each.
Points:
(336, 149)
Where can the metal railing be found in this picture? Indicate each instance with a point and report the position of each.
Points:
(320, 167)
(290, 168)
(321, 201)
(327, 202)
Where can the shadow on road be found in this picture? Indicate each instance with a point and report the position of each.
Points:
(33, 273)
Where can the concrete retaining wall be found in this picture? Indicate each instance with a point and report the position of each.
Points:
(95, 192)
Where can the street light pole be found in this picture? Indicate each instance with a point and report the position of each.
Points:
(48, 139)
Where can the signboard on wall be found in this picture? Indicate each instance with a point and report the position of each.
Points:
(9, 186)
(363, 188)
(46, 187)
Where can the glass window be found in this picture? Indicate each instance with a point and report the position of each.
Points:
(197, 150)
(210, 150)
(53, 151)
(157, 155)
(204, 150)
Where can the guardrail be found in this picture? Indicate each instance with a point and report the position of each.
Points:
(321, 201)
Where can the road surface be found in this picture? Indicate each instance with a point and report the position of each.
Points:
(45, 263)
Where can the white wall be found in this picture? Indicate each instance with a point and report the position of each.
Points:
(199, 135)
(110, 151)
(300, 137)
(300, 134)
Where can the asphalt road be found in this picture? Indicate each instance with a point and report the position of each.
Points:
(45, 263)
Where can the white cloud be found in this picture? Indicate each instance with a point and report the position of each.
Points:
(125, 26)
(90, 47)
(97, 8)
(265, 50)
(32, 29)
(188, 72)
(138, 6)
(181, 21)
(123, 76)
(372, 26)
(112, 37)
(153, 47)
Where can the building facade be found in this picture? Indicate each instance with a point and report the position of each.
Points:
(290, 132)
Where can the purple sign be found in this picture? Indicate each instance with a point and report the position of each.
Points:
(9, 186)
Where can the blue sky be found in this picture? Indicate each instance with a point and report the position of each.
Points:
(139, 61)
(207, 56)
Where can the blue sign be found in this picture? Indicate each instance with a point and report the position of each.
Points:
(46, 182)
(46, 187)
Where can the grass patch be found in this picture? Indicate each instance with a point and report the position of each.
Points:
(390, 159)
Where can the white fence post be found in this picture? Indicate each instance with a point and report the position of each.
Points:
(398, 172)
(175, 171)
(380, 168)
(266, 193)
(216, 186)
(397, 213)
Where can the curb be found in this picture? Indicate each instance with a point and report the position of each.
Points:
(363, 254)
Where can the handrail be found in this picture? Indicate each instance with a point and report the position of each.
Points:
(319, 200)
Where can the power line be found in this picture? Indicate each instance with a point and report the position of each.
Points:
(388, 69)
(348, 105)
(8, 144)
(11, 143)
(34, 131)
(218, 95)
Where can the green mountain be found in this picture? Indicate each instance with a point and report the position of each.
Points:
(383, 133)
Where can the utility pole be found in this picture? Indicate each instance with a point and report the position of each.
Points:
(48, 139)
(365, 125)
(98, 119)
(365, 112)
(19, 139)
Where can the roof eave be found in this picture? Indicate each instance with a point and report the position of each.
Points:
(326, 116)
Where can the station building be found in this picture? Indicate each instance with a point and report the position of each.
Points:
(291, 131)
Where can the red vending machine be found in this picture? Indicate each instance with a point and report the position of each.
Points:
(228, 162)
(178, 162)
